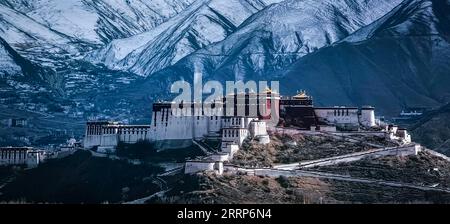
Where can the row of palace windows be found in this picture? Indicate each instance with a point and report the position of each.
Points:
(342, 112)
(133, 132)
(94, 130)
(109, 131)
(11, 154)
(164, 117)
(234, 121)
(231, 133)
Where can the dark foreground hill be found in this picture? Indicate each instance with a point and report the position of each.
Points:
(81, 178)
(424, 170)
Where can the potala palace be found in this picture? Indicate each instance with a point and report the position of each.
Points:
(185, 125)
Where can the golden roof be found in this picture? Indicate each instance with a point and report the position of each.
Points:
(267, 90)
(301, 95)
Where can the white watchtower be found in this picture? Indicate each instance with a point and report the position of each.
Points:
(367, 116)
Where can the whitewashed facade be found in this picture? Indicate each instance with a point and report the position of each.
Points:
(20, 156)
(346, 115)
(184, 122)
(173, 125)
(195, 166)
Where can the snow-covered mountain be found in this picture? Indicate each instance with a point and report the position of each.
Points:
(25, 34)
(280, 34)
(411, 18)
(203, 23)
(7, 61)
(267, 42)
(14, 66)
(92, 21)
(49, 39)
(52, 31)
(21, 79)
(398, 61)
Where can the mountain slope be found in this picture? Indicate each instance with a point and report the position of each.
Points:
(203, 23)
(280, 34)
(7, 62)
(253, 50)
(48, 39)
(23, 82)
(14, 66)
(433, 130)
(53, 32)
(399, 61)
(97, 21)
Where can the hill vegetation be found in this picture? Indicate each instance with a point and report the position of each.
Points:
(82, 178)
(433, 130)
(285, 148)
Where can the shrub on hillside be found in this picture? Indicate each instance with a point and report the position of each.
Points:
(140, 149)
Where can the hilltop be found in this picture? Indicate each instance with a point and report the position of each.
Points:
(417, 178)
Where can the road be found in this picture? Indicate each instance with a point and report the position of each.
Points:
(163, 189)
(352, 139)
(143, 200)
(340, 159)
(322, 175)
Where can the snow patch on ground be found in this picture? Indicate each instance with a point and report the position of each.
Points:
(7, 64)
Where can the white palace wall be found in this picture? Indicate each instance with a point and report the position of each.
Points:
(195, 166)
(338, 115)
(183, 124)
(166, 126)
(20, 156)
(347, 115)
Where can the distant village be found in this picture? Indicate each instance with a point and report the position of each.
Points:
(177, 128)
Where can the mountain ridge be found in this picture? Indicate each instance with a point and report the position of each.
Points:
(403, 64)
(203, 23)
(239, 49)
